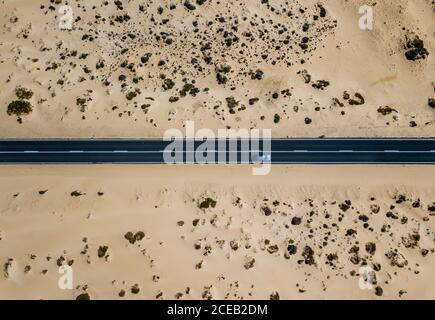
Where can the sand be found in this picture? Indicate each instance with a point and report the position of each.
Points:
(234, 245)
(137, 68)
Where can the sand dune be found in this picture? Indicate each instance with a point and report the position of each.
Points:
(302, 68)
(159, 232)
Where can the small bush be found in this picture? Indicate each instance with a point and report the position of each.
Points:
(130, 95)
(23, 93)
(19, 108)
(207, 203)
(276, 118)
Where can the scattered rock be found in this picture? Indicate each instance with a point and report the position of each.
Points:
(274, 296)
(321, 84)
(83, 296)
(308, 255)
(266, 211)
(76, 193)
(371, 247)
(207, 203)
(249, 262)
(102, 250)
(379, 291)
(135, 289)
(386, 110)
(292, 249)
(396, 259)
(415, 48)
(296, 221)
(133, 238)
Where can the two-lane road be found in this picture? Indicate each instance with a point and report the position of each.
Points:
(333, 151)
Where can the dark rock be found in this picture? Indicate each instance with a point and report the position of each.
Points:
(415, 48)
(207, 203)
(130, 237)
(371, 247)
(322, 11)
(321, 84)
(102, 250)
(276, 118)
(221, 78)
(363, 218)
(358, 101)
(145, 58)
(379, 291)
(232, 103)
(83, 296)
(274, 296)
(350, 232)
(292, 249)
(135, 289)
(296, 221)
(76, 193)
(139, 235)
(257, 75)
(345, 205)
(189, 6)
(308, 255)
(266, 210)
(386, 110)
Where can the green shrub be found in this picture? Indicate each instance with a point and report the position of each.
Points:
(19, 108)
(23, 93)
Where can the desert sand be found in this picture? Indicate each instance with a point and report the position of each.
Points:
(137, 68)
(217, 232)
(131, 68)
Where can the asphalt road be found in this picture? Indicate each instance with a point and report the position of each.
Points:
(333, 151)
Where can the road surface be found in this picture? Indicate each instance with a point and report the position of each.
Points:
(297, 151)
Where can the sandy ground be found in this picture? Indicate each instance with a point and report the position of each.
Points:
(283, 235)
(136, 68)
